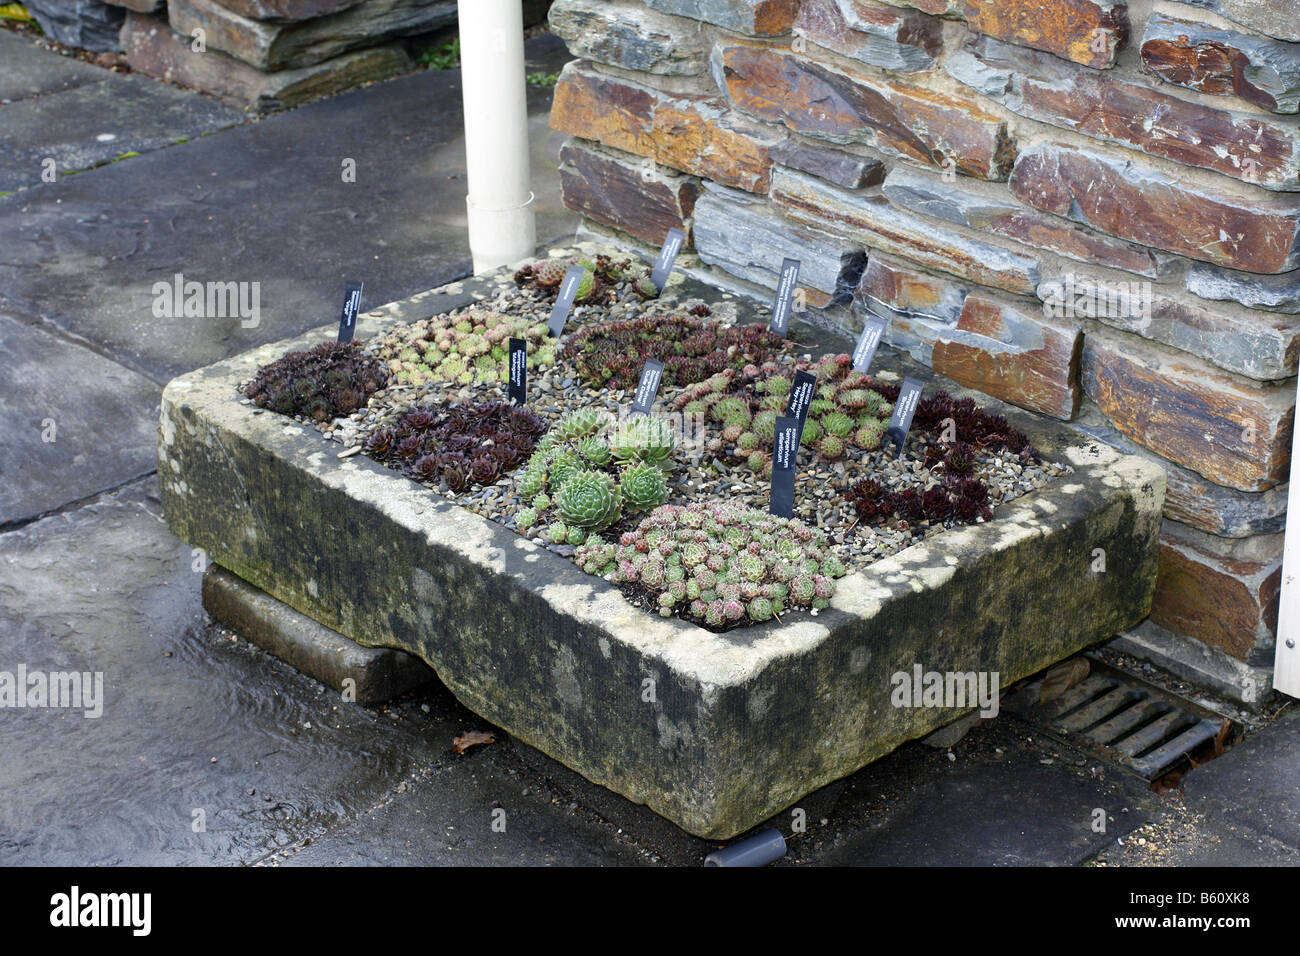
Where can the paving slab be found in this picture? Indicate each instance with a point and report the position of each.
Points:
(32, 70)
(264, 203)
(1257, 782)
(72, 423)
(191, 721)
(96, 120)
(1006, 798)
(478, 811)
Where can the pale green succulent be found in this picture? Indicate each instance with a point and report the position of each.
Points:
(643, 487)
(466, 348)
(590, 500)
(644, 439)
(578, 424)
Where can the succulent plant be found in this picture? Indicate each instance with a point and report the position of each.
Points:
(691, 349)
(600, 276)
(644, 487)
(468, 346)
(322, 383)
(589, 470)
(849, 413)
(719, 564)
(457, 446)
(643, 439)
(645, 287)
(579, 424)
(589, 499)
(952, 501)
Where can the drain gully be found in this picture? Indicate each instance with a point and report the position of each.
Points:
(1123, 719)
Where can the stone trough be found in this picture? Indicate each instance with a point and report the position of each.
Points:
(716, 732)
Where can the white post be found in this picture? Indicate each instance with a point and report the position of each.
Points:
(1286, 663)
(500, 200)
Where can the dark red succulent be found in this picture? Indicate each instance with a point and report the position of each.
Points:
(321, 383)
(483, 470)
(960, 459)
(458, 445)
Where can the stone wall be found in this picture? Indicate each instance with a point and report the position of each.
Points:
(1088, 209)
(261, 54)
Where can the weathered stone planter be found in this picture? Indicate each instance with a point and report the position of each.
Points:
(734, 727)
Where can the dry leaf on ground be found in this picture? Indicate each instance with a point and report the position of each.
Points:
(472, 738)
(1062, 677)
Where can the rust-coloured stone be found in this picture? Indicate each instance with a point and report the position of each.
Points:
(688, 132)
(1142, 204)
(1085, 31)
(991, 208)
(1190, 498)
(879, 225)
(619, 191)
(918, 306)
(1231, 430)
(906, 119)
(1223, 62)
(1228, 602)
(882, 36)
(1108, 107)
(1013, 353)
(1003, 348)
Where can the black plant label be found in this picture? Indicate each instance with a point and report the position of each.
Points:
(673, 243)
(351, 308)
(564, 301)
(785, 454)
(648, 387)
(868, 342)
(909, 394)
(519, 371)
(801, 396)
(783, 304)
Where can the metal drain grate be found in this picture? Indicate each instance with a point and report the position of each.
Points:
(1127, 721)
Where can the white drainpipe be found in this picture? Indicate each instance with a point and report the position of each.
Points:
(500, 200)
(1286, 664)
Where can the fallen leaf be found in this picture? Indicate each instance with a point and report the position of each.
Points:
(473, 738)
(1062, 677)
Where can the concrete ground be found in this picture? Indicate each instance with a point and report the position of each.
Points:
(211, 752)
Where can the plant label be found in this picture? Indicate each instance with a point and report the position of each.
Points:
(868, 342)
(801, 396)
(564, 301)
(351, 308)
(648, 387)
(785, 453)
(519, 371)
(667, 256)
(784, 302)
(901, 421)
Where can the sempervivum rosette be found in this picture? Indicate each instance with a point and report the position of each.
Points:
(589, 500)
